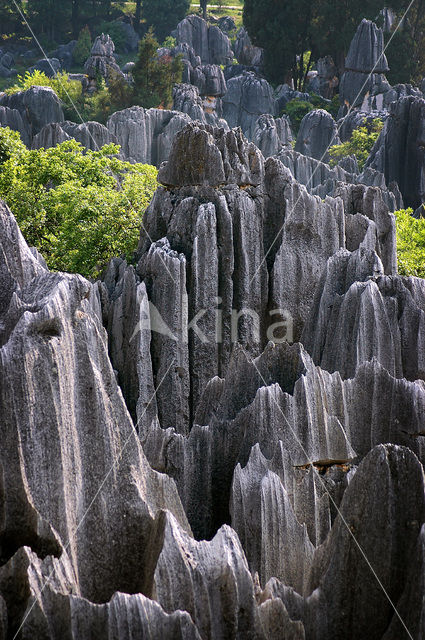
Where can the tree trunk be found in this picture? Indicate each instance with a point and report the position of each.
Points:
(137, 15)
(203, 4)
(75, 18)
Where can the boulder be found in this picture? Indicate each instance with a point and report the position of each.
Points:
(271, 135)
(65, 54)
(365, 66)
(101, 60)
(246, 53)
(208, 42)
(38, 105)
(145, 135)
(398, 152)
(318, 131)
(49, 66)
(247, 98)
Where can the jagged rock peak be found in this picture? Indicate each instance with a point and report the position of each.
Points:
(366, 50)
(204, 155)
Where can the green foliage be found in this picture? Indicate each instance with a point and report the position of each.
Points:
(78, 208)
(296, 110)
(154, 78)
(360, 144)
(410, 244)
(169, 42)
(164, 15)
(83, 47)
(11, 146)
(68, 91)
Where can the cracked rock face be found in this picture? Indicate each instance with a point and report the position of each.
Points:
(224, 439)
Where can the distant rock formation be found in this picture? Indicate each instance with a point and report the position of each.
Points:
(208, 41)
(101, 61)
(364, 84)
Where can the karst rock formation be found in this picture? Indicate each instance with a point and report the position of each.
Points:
(226, 438)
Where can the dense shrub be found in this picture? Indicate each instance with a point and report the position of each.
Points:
(360, 144)
(410, 244)
(78, 208)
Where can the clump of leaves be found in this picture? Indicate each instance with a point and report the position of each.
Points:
(410, 243)
(78, 208)
(360, 144)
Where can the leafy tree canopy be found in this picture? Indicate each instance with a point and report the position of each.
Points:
(78, 208)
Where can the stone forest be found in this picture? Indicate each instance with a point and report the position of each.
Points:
(212, 320)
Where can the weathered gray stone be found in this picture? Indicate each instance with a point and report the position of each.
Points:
(364, 605)
(40, 105)
(365, 65)
(271, 135)
(101, 60)
(381, 317)
(138, 132)
(247, 98)
(215, 158)
(208, 42)
(326, 81)
(13, 119)
(51, 135)
(366, 50)
(318, 131)
(65, 427)
(398, 152)
(49, 66)
(246, 53)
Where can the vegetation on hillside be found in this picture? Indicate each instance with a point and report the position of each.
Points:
(78, 208)
(410, 244)
(360, 144)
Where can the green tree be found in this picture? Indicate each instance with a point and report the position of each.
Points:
(360, 144)
(164, 15)
(203, 5)
(78, 208)
(49, 19)
(83, 47)
(406, 47)
(410, 244)
(154, 77)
